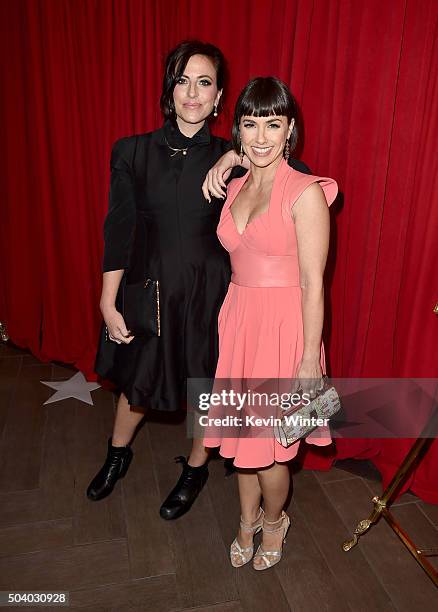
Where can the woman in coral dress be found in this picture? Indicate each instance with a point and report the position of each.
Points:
(275, 225)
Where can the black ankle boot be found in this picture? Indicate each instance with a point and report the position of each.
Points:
(187, 489)
(115, 467)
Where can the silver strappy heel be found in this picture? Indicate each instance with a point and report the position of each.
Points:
(240, 555)
(272, 557)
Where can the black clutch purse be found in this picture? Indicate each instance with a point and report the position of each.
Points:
(139, 304)
(140, 307)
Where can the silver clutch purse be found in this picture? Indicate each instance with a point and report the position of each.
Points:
(298, 423)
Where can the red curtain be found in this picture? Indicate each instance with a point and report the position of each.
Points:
(76, 75)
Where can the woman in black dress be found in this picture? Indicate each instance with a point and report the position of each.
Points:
(160, 226)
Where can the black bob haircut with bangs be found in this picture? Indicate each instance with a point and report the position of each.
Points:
(176, 63)
(265, 97)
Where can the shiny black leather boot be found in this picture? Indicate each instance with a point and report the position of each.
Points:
(115, 467)
(186, 490)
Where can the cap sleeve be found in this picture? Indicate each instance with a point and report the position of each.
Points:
(298, 183)
(330, 188)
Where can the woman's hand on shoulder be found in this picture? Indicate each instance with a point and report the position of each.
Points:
(214, 183)
(117, 331)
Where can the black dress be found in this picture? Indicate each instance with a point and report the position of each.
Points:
(160, 226)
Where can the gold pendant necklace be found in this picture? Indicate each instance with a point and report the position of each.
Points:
(183, 151)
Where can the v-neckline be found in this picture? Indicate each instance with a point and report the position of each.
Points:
(245, 178)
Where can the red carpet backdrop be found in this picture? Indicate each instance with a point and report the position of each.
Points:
(76, 75)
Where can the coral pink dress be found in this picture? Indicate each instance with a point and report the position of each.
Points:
(260, 322)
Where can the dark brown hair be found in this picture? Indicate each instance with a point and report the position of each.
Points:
(264, 97)
(176, 63)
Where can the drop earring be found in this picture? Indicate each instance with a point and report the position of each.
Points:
(286, 151)
(215, 113)
(241, 154)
